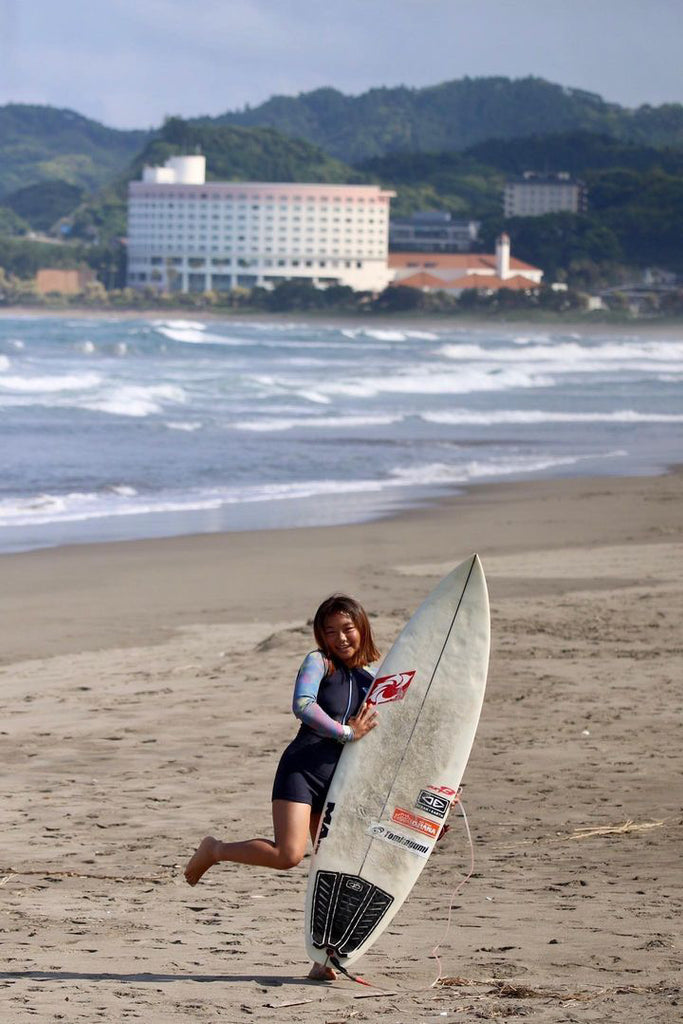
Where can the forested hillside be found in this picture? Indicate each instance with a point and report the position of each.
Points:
(232, 154)
(44, 143)
(453, 116)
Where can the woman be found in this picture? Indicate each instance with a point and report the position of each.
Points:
(329, 700)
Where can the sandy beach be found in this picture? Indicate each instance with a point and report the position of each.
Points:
(147, 687)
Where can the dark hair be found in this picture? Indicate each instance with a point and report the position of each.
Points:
(367, 651)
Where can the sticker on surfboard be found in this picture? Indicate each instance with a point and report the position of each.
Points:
(389, 688)
(436, 800)
(424, 826)
(386, 831)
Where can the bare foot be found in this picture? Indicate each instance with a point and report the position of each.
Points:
(319, 972)
(204, 857)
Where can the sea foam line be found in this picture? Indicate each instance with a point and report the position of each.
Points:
(468, 417)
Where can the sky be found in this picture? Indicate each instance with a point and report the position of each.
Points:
(130, 63)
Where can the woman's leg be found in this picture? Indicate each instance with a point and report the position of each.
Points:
(290, 824)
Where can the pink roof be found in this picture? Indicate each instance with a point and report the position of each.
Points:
(423, 280)
(492, 282)
(431, 261)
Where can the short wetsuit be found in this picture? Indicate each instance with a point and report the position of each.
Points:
(323, 702)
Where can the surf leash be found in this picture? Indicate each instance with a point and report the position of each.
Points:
(456, 892)
(334, 960)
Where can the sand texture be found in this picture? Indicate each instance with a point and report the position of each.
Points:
(146, 691)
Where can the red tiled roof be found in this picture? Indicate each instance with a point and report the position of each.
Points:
(423, 280)
(451, 261)
(492, 282)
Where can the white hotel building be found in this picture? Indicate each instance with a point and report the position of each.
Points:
(189, 235)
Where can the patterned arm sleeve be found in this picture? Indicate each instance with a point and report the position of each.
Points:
(305, 701)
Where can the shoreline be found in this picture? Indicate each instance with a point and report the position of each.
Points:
(89, 572)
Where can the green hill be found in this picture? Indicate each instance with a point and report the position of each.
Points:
(454, 116)
(46, 144)
(244, 154)
(232, 154)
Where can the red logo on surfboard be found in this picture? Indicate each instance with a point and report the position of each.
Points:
(388, 688)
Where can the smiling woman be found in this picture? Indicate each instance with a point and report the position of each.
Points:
(329, 700)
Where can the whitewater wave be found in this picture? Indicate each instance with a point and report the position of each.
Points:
(572, 357)
(437, 381)
(315, 422)
(444, 474)
(77, 392)
(50, 385)
(468, 417)
(121, 500)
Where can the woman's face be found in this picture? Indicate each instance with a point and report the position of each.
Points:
(342, 638)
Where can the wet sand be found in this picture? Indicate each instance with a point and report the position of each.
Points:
(147, 687)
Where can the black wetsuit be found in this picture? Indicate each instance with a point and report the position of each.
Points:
(307, 765)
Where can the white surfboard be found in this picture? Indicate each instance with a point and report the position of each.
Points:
(392, 790)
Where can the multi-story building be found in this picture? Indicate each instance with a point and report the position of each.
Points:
(534, 194)
(432, 231)
(189, 235)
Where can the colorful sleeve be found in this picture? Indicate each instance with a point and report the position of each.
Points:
(305, 702)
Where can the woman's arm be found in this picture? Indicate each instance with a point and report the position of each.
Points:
(305, 701)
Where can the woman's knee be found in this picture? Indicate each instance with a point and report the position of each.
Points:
(289, 857)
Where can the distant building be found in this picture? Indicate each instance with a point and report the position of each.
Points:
(432, 231)
(534, 194)
(457, 272)
(64, 282)
(189, 235)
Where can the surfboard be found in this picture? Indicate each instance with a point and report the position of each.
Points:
(392, 789)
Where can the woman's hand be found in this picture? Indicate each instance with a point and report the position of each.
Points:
(364, 721)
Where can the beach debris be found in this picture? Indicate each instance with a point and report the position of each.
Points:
(292, 1002)
(587, 832)
(585, 732)
(509, 990)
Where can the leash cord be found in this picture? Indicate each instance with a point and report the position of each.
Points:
(456, 892)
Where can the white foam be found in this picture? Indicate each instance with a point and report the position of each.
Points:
(187, 425)
(124, 490)
(181, 325)
(46, 385)
(422, 335)
(444, 474)
(468, 417)
(384, 335)
(437, 381)
(136, 400)
(571, 357)
(4, 363)
(315, 422)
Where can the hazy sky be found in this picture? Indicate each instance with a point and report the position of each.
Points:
(128, 63)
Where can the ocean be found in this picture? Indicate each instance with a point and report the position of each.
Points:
(120, 429)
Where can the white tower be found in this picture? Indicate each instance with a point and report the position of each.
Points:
(503, 256)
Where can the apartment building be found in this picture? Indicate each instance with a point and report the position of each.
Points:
(189, 235)
(534, 194)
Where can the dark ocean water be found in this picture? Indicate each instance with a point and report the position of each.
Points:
(118, 429)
